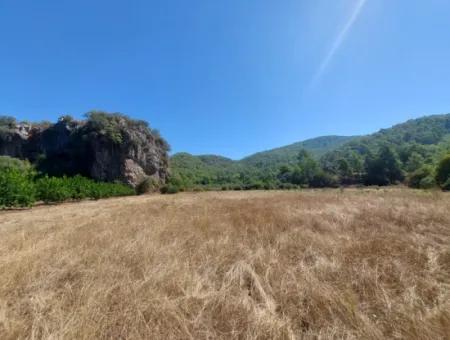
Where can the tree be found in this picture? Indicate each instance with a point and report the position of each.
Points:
(384, 168)
(7, 122)
(443, 173)
(414, 162)
(422, 178)
(344, 168)
(307, 169)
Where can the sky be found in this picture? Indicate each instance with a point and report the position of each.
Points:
(228, 77)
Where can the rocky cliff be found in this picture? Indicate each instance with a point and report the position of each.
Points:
(106, 147)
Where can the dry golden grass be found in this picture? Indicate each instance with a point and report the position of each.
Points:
(358, 264)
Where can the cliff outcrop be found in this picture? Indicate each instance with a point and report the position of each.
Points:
(105, 147)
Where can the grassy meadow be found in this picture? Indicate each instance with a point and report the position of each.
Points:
(312, 264)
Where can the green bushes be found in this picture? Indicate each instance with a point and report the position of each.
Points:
(446, 185)
(20, 187)
(16, 188)
(7, 162)
(16, 183)
(170, 189)
(52, 189)
(422, 178)
(147, 185)
(59, 189)
(443, 173)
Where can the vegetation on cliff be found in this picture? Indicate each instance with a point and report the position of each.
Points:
(106, 147)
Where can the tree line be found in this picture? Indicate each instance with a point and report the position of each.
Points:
(374, 169)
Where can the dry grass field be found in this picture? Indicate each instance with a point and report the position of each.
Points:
(352, 264)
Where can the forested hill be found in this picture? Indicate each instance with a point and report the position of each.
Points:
(416, 142)
(407, 152)
(270, 158)
(317, 147)
(205, 169)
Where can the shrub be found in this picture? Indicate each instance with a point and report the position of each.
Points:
(7, 162)
(269, 186)
(422, 178)
(288, 186)
(147, 185)
(16, 188)
(59, 189)
(443, 172)
(256, 185)
(323, 180)
(53, 189)
(427, 183)
(79, 187)
(105, 190)
(169, 189)
(446, 185)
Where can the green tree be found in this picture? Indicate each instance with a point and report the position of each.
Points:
(422, 178)
(414, 162)
(384, 168)
(443, 173)
(7, 122)
(307, 169)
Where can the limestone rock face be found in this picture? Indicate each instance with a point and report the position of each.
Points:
(105, 147)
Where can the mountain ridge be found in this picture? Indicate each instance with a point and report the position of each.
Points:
(304, 144)
(342, 159)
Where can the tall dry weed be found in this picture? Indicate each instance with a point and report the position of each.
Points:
(358, 264)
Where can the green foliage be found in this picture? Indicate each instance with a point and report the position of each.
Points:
(446, 185)
(323, 179)
(415, 143)
(147, 185)
(384, 168)
(422, 178)
(414, 161)
(59, 189)
(170, 189)
(271, 160)
(7, 162)
(443, 172)
(260, 171)
(7, 125)
(66, 119)
(16, 187)
(53, 189)
(307, 173)
(107, 125)
(7, 122)
(115, 127)
(378, 159)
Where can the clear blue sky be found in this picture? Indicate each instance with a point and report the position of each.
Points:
(228, 77)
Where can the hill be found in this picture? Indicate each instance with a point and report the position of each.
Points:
(386, 157)
(288, 154)
(217, 170)
(416, 142)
